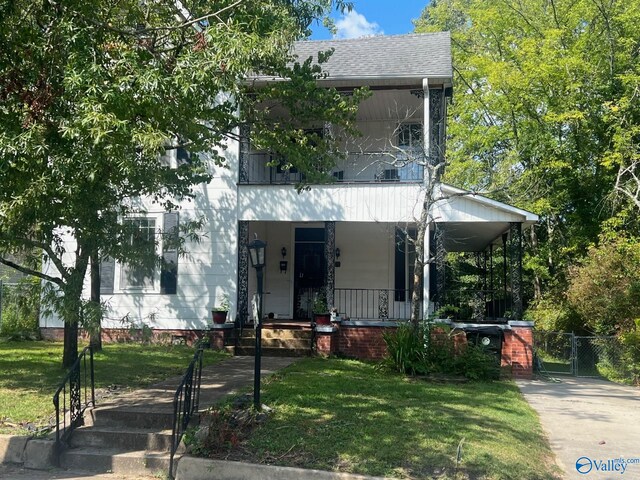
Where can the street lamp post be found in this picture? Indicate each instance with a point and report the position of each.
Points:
(257, 250)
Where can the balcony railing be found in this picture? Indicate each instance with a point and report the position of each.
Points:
(360, 167)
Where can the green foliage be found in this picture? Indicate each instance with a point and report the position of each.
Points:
(91, 95)
(624, 365)
(605, 288)
(222, 305)
(20, 308)
(431, 349)
(545, 116)
(406, 350)
(320, 305)
(555, 315)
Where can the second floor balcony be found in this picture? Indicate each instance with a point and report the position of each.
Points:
(357, 167)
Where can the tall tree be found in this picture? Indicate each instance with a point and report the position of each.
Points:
(542, 111)
(91, 95)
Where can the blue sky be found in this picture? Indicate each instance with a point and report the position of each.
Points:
(375, 17)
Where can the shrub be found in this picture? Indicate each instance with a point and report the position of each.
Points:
(554, 314)
(431, 349)
(20, 308)
(406, 349)
(605, 288)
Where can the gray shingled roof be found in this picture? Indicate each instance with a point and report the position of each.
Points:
(414, 55)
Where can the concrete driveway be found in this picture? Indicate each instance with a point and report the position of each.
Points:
(592, 424)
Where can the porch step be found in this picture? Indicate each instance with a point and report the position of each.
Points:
(275, 352)
(124, 439)
(279, 333)
(113, 460)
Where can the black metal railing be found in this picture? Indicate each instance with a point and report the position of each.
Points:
(186, 401)
(476, 304)
(75, 393)
(374, 303)
(357, 167)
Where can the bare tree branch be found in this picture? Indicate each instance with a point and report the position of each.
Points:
(30, 271)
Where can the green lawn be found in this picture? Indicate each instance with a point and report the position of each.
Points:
(30, 372)
(351, 416)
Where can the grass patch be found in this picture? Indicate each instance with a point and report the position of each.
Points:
(351, 416)
(31, 371)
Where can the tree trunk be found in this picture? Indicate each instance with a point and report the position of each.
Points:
(95, 339)
(72, 306)
(418, 266)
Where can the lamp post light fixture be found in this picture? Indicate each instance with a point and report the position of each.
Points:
(257, 256)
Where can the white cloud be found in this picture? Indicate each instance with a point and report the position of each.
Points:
(354, 25)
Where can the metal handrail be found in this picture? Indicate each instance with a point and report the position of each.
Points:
(79, 379)
(186, 400)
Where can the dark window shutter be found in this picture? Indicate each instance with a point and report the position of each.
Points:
(169, 272)
(183, 156)
(107, 275)
(400, 267)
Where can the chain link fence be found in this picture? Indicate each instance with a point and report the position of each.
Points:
(587, 356)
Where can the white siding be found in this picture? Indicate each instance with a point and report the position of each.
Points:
(344, 203)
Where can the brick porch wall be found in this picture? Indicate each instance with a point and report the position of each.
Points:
(363, 342)
(517, 350)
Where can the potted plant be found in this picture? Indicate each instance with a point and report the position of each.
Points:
(220, 311)
(320, 309)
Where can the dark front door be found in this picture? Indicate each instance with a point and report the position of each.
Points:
(309, 269)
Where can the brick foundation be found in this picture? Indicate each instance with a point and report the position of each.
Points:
(123, 335)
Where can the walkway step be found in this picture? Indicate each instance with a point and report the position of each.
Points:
(125, 439)
(275, 352)
(290, 343)
(109, 460)
(130, 418)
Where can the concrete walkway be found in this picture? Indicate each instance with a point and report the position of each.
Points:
(218, 381)
(592, 418)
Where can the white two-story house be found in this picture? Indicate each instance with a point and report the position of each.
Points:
(350, 238)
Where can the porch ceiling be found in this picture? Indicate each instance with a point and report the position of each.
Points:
(398, 105)
(472, 236)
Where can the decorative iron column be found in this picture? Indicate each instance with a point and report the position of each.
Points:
(492, 293)
(330, 255)
(245, 147)
(478, 301)
(515, 259)
(437, 131)
(243, 271)
(440, 258)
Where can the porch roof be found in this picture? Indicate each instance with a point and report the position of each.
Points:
(472, 222)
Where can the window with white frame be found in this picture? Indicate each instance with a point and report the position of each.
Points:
(158, 234)
(142, 236)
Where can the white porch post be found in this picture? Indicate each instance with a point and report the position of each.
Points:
(426, 137)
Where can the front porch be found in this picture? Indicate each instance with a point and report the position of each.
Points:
(366, 271)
